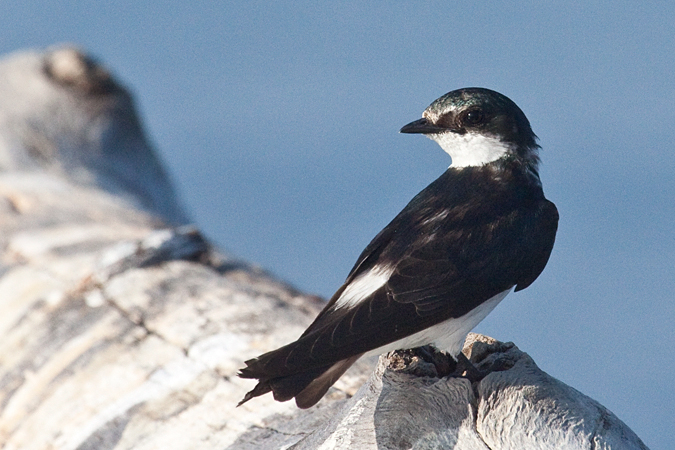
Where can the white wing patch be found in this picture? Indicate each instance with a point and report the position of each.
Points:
(470, 149)
(363, 286)
(448, 335)
(437, 217)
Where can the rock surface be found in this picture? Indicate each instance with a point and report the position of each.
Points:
(64, 114)
(121, 331)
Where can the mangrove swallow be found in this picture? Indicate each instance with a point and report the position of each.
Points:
(480, 231)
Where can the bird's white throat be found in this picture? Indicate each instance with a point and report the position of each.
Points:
(470, 149)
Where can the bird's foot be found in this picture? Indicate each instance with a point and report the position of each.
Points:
(465, 369)
(428, 361)
(422, 362)
(445, 365)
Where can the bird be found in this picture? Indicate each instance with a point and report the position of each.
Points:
(481, 230)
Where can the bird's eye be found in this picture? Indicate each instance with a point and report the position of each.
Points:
(474, 117)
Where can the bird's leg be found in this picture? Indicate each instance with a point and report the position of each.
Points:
(444, 364)
(466, 369)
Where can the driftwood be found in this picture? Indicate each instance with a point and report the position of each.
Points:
(121, 331)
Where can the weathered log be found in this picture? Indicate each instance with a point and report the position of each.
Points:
(120, 331)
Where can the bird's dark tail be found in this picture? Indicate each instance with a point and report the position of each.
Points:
(306, 387)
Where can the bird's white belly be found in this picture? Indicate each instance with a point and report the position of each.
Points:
(449, 335)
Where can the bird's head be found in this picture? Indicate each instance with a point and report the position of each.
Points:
(476, 126)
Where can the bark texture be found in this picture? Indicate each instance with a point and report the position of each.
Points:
(121, 330)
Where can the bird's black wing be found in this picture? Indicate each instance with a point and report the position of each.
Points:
(438, 271)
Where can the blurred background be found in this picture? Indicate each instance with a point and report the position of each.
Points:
(279, 125)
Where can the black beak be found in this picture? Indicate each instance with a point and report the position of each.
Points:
(422, 126)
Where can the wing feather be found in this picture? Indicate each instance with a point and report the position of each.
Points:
(440, 269)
